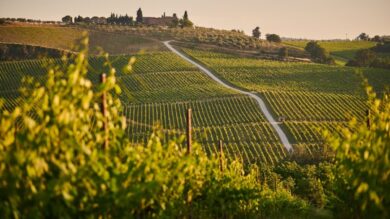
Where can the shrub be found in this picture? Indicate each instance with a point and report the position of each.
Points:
(382, 47)
(273, 38)
(381, 63)
(318, 53)
(365, 57)
(283, 52)
(256, 33)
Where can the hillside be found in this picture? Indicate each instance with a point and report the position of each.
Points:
(62, 37)
(342, 51)
(147, 157)
(116, 39)
(311, 97)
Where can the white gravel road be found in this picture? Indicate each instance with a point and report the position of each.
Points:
(263, 107)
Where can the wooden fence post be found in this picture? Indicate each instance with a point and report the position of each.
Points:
(221, 155)
(189, 130)
(368, 119)
(104, 112)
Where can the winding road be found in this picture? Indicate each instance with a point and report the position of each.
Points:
(259, 101)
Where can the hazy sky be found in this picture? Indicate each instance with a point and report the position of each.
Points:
(316, 19)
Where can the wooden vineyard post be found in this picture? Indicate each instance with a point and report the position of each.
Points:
(221, 155)
(16, 133)
(275, 185)
(104, 112)
(189, 130)
(368, 119)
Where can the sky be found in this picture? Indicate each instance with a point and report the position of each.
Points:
(310, 19)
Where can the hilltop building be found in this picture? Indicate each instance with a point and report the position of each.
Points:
(159, 21)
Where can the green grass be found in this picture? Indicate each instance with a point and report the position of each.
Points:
(310, 96)
(341, 50)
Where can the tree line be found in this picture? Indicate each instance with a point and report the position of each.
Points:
(127, 20)
(365, 37)
(25, 20)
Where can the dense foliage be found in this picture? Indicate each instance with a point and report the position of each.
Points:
(369, 58)
(363, 162)
(53, 164)
(273, 38)
(382, 47)
(318, 53)
(256, 32)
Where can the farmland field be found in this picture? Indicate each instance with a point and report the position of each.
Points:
(311, 97)
(162, 87)
(65, 37)
(160, 90)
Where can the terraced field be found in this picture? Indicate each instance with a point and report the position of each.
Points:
(311, 97)
(160, 90)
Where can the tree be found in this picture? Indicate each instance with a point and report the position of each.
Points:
(363, 36)
(318, 53)
(256, 32)
(311, 46)
(140, 17)
(67, 19)
(283, 52)
(185, 22)
(78, 19)
(363, 58)
(273, 38)
(175, 21)
(376, 38)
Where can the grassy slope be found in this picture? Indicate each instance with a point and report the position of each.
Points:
(341, 50)
(65, 38)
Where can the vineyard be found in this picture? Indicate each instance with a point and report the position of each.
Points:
(310, 97)
(161, 87)
(159, 90)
